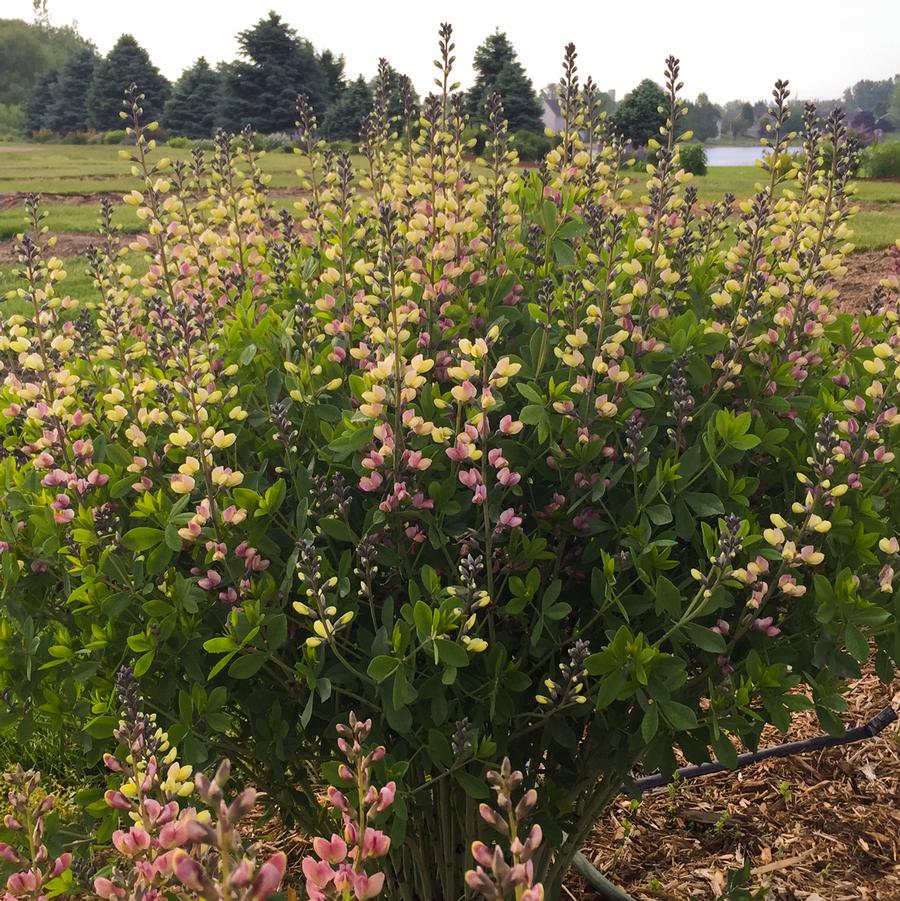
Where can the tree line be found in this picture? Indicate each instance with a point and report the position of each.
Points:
(63, 85)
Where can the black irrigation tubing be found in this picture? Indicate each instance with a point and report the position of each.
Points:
(597, 881)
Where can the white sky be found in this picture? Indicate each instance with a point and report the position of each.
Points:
(725, 46)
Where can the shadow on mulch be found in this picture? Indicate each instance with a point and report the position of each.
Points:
(819, 827)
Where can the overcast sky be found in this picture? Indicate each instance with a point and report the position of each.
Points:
(726, 47)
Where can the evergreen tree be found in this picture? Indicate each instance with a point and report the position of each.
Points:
(498, 70)
(125, 64)
(261, 88)
(344, 118)
(40, 102)
(702, 119)
(333, 72)
(638, 117)
(191, 108)
(67, 110)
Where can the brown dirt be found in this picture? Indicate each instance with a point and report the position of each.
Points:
(815, 827)
(68, 244)
(865, 269)
(17, 198)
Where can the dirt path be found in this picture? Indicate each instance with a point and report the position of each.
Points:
(69, 244)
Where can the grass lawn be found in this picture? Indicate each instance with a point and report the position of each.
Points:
(90, 169)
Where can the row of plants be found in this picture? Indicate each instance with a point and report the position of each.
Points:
(517, 468)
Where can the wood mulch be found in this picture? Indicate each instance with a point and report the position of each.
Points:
(865, 269)
(818, 827)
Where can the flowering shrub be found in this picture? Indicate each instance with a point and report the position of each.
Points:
(514, 464)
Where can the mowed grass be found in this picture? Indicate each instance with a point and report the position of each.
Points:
(93, 168)
(84, 171)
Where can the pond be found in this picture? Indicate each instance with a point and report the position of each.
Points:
(733, 156)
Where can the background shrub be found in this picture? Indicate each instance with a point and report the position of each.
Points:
(115, 136)
(882, 160)
(692, 158)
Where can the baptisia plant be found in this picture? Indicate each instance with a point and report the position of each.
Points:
(560, 465)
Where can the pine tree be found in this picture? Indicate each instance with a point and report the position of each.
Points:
(191, 107)
(40, 102)
(333, 72)
(638, 117)
(499, 71)
(67, 111)
(261, 88)
(125, 64)
(702, 119)
(344, 118)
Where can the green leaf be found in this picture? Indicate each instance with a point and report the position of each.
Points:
(856, 644)
(422, 619)
(350, 442)
(705, 504)
(450, 653)
(439, 748)
(565, 256)
(246, 665)
(382, 667)
(679, 716)
(641, 399)
(143, 538)
(610, 688)
(668, 597)
(704, 638)
(275, 496)
(219, 645)
(337, 529)
(650, 723)
(473, 786)
(173, 539)
(247, 354)
(144, 663)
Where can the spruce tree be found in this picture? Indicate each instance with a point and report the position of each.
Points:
(191, 107)
(40, 102)
(499, 71)
(261, 88)
(638, 117)
(125, 64)
(67, 110)
(344, 118)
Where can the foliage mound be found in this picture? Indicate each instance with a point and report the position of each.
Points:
(507, 463)
(882, 160)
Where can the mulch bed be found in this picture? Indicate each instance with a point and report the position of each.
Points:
(865, 269)
(818, 827)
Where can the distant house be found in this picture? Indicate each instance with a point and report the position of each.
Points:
(552, 115)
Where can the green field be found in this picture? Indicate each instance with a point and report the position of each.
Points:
(74, 177)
